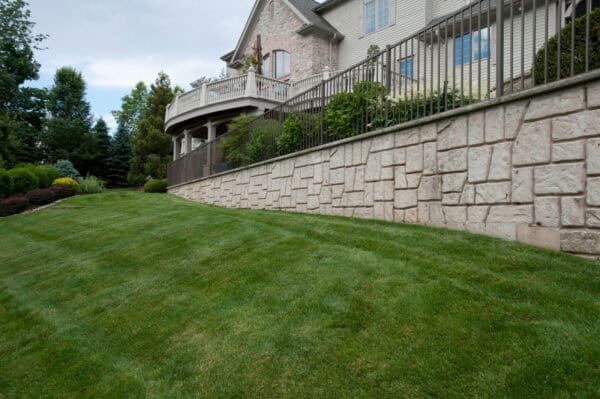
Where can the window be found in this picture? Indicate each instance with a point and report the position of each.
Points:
(266, 66)
(376, 15)
(406, 67)
(282, 63)
(462, 47)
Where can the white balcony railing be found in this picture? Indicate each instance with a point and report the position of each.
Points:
(248, 85)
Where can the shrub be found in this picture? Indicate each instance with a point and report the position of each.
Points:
(6, 184)
(300, 130)
(62, 191)
(65, 168)
(50, 172)
(551, 50)
(13, 205)
(41, 196)
(420, 106)
(233, 147)
(156, 186)
(24, 180)
(263, 140)
(136, 179)
(344, 116)
(90, 185)
(66, 181)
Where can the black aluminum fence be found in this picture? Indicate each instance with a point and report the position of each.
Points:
(479, 53)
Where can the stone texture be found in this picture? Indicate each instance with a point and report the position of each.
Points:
(430, 188)
(532, 145)
(517, 214)
(453, 160)
(593, 218)
(543, 237)
(479, 162)
(455, 215)
(404, 199)
(593, 156)
(454, 182)
(559, 179)
(414, 158)
(547, 211)
(500, 164)
(429, 158)
(581, 124)
(494, 124)
(476, 128)
(556, 103)
(568, 151)
(522, 185)
(573, 209)
(593, 95)
(582, 242)
(513, 117)
(593, 191)
(454, 136)
(492, 193)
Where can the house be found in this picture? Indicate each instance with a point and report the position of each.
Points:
(289, 46)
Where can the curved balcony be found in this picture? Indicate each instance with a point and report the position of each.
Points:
(245, 91)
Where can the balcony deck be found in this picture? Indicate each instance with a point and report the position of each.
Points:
(245, 91)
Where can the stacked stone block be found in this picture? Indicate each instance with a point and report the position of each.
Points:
(528, 170)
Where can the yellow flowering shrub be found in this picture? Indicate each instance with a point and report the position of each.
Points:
(66, 181)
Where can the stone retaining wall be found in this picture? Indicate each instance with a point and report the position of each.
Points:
(526, 170)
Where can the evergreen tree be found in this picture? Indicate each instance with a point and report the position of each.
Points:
(120, 155)
(102, 147)
(21, 117)
(68, 135)
(152, 148)
(133, 107)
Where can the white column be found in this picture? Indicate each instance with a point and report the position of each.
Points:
(212, 130)
(251, 83)
(326, 73)
(204, 95)
(175, 154)
(188, 141)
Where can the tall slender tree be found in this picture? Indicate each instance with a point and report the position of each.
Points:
(21, 116)
(102, 142)
(69, 135)
(133, 107)
(152, 148)
(120, 155)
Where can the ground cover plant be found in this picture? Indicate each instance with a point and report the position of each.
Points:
(126, 294)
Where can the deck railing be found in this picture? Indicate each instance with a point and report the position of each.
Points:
(484, 51)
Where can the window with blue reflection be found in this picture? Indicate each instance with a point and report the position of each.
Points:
(462, 47)
(376, 15)
(406, 67)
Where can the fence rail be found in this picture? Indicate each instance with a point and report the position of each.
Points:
(483, 51)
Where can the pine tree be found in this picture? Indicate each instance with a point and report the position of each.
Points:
(119, 157)
(69, 136)
(102, 147)
(152, 148)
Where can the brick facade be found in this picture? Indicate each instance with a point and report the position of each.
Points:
(527, 170)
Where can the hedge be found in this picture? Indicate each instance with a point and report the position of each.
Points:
(550, 52)
(62, 191)
(24, 180)
(66, 181)
(299, 131)
(41, 196)
(6, 184)
(156, 186)
(13, 205)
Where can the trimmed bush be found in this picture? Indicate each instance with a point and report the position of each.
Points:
(41, 196)
(62, 191)
(50, 172)
(551, 51)
(6, 184)
(156, 186)
(66, 181)
(65, 168)
(90, 185)
(300, 130)
(263, 140)
(24, 180)
(233, 147)
(13, 205)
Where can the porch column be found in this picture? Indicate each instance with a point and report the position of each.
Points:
(251, 83)
(212, 130)
(188, 141)
(326, 73)
(175, 152)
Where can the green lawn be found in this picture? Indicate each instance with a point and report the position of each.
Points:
(126, 294)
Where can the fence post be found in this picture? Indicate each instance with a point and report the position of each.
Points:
(500, 49)
(322, 122)
(251, 83)
(204, 94)
(388, 81)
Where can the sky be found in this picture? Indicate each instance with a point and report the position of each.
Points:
(116, 43)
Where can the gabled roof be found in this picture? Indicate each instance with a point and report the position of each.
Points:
(304, 9)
